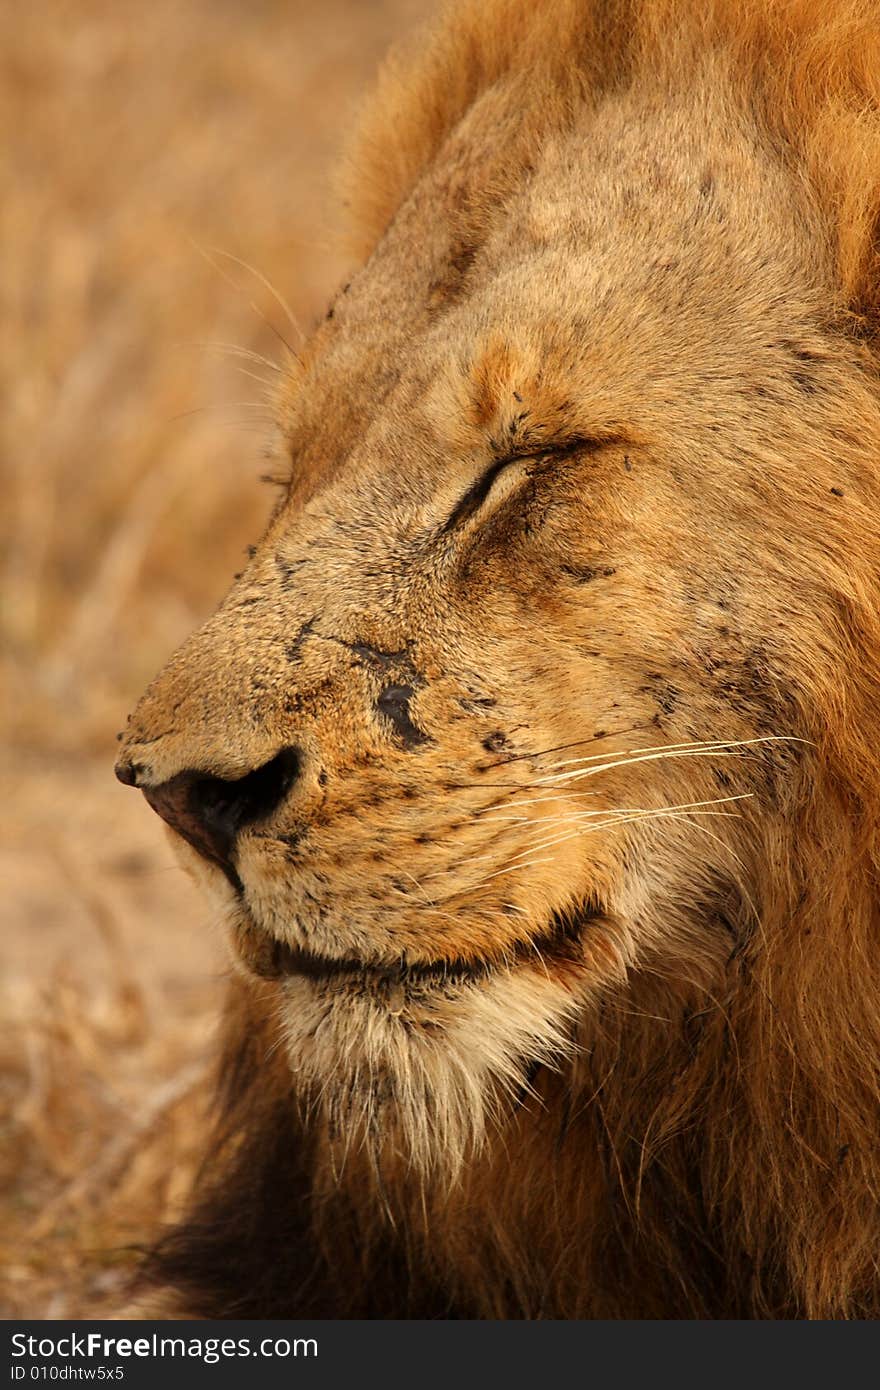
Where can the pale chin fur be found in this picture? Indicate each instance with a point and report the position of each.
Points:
(430, 1072)
(432, 1080)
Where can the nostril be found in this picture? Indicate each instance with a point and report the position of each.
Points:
(226, 807)
(210, 812)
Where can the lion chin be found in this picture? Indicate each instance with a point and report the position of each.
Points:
(423, 1058)
(531, 762)
(423, 1063)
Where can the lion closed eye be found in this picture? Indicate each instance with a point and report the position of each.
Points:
(532, 759)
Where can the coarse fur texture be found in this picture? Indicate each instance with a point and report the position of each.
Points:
(555, 901)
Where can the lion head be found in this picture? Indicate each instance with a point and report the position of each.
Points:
(532, 759)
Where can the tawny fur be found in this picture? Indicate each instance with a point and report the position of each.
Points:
(600, 734)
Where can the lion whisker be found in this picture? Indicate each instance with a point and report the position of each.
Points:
(575, 743)
(579, 774)
(236, 350)
(523, 861)
(548, 797)
(623, 814)
(720, 748)
(209, 256)
(611, 821)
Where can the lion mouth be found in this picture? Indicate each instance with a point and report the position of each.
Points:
(558, 948)
(290, 960)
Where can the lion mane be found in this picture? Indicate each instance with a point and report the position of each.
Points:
(683, 1112)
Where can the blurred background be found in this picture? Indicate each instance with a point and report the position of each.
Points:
(167, 210)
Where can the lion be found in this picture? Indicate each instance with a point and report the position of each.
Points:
(532, 761)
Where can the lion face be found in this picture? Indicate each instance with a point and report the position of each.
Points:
(506, 699)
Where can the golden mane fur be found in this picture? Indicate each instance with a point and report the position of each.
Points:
(812, 70)
(648, 1081)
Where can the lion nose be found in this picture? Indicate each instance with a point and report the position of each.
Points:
(210, 812)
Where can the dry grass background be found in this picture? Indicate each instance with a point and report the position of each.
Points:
(140, 143)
